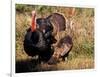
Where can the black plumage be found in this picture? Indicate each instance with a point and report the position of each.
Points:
(36, 44)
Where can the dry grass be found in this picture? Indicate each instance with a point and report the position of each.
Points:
(82, 33)
(77, 63)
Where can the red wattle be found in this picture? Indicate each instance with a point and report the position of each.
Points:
(33, 27)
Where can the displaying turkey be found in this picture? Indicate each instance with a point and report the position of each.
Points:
(40, 36)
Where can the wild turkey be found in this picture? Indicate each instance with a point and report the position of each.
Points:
(37, 42)
(39, 37)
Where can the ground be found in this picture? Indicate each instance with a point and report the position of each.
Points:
(32, 65)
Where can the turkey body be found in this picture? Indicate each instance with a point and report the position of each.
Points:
(36, 44)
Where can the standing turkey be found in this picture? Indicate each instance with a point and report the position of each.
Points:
(37, 42)
(41, 35)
